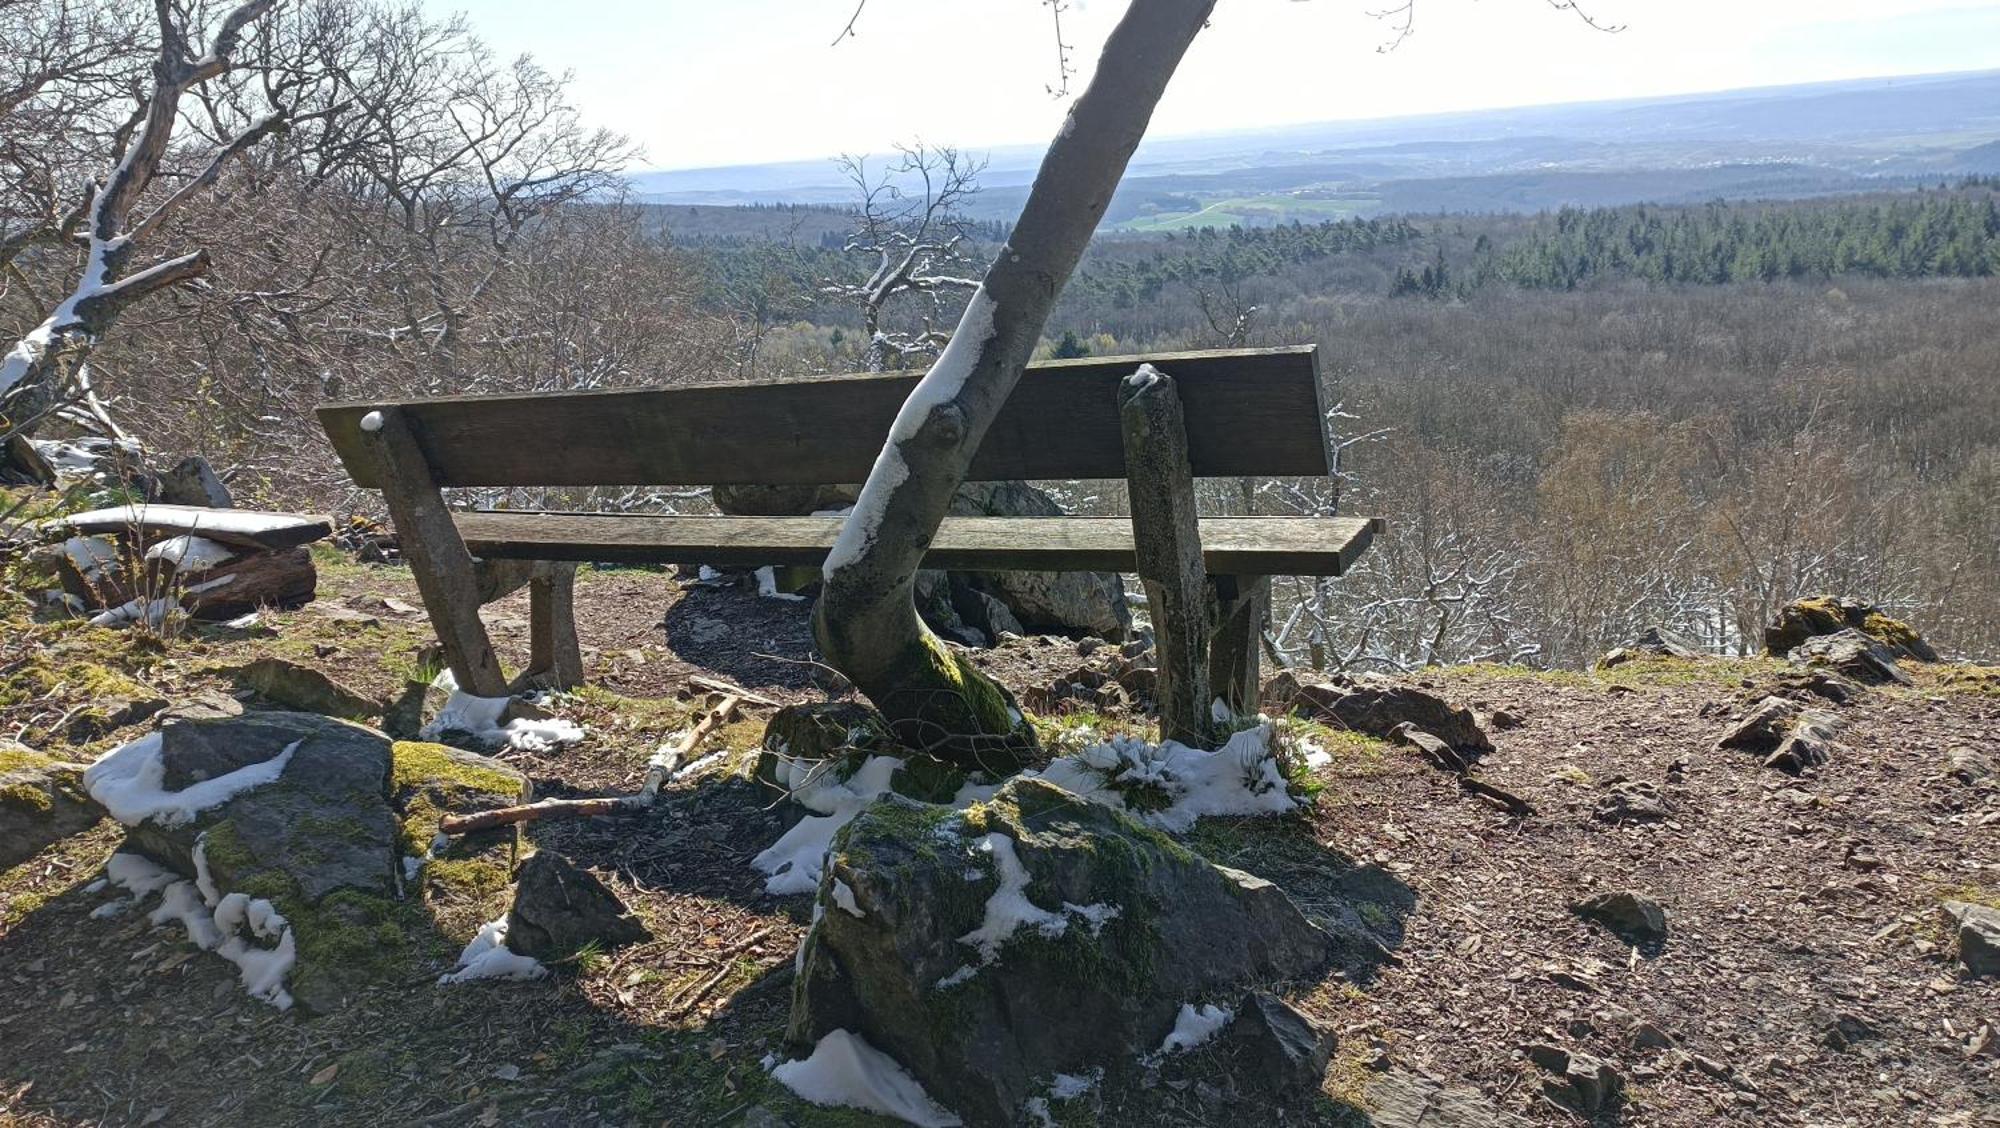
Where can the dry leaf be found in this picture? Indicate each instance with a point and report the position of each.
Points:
(325, 1076)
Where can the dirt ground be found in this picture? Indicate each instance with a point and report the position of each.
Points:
(1794, 903)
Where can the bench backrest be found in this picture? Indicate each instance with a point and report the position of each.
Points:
(1250, 412)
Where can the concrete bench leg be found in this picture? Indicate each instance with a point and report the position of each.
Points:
(555, 658)
(1241, 604)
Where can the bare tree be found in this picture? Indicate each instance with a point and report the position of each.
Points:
(49, 364)
(913, 235)
(866, 620)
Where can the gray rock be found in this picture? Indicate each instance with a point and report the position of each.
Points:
(559, 910)
(1273, 1049)
(298, 686)
(42, 802)
(1654, 642)
(1784, 733)
(1404, 1100)
(1078, 989)
(201, 707)
(1851, 654)
(1377, 709)
(325, 825)
(1582, 1083)
(1632, 915)
(192, 481)
(1632, 801)
(1967, 766)
(1976, 935)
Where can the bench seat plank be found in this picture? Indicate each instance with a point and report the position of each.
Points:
(1240, 546)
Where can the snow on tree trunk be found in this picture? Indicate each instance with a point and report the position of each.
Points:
(866, 622)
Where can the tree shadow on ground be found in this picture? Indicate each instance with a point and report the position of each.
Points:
(729, 629)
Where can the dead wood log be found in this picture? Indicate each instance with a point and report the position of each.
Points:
(663, 765)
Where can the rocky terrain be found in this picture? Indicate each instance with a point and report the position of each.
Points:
(1671, 891)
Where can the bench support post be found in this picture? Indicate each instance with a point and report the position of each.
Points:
(1233, 674)
(438, 558)
(555, 659)
(1167, 540)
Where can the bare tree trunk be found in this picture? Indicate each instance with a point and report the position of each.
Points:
(867, 622)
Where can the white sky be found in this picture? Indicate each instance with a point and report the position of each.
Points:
(716, 82)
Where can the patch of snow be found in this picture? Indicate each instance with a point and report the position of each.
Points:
(1095, 915)
(182, 903)
(487, 957)
(91, 555)
(843, 896)
(1240, 778)
(138, 875)
(371, 422)
(97, 886)
(1220, 712)
(203, 882)
(244, 622)
(480, 717)
(1194, 1026)
(263, 970)
(794, 863)
(767, 586)
(846, 1072)
(1008, 910)
(938, 387)
(128, 782)
(110, 909)
(1070, 1086)
(1316, 757)
(242, 522)
(208, 585)
(412, 866)
(152, 612)
(964, 972)
(189, 553)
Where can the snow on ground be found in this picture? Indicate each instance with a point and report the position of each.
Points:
(846, 1072)
(91, 555)
(129, 781)
(767, 586)
(213, 924)
(793, 863)
(1194, 1026)
(481, 717)
(152, 612)
(1243, 777)
(487, 957)
(1062, 1087)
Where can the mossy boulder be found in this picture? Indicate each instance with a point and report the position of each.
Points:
(1032, 934)
(42, 801)
(320, 842)
(1852, 654)
(430, 781)
(1803, 619)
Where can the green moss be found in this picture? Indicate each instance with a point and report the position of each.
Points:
(14, 759)
(26, 796)
(416, 764)
(984, 700)
(478, 876)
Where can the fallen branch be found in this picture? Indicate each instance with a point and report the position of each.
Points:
(717, 685)
(662, 766)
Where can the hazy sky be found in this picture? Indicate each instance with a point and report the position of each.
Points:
(711, 82)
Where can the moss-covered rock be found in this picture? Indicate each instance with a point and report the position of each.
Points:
(1817, 615)
(1033, 934)
(42, 801)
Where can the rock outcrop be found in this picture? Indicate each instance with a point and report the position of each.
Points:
(1380, 708)
(1031, 935)
(1851, 654)
(1803, 619)
(1785, 734)
(1975, 933)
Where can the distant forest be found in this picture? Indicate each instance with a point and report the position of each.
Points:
(1579, 423)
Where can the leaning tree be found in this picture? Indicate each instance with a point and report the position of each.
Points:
(866, 621)
(110, 222)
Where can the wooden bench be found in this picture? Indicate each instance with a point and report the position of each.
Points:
(1247, 413)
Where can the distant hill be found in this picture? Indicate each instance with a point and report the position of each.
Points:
(1769, 142)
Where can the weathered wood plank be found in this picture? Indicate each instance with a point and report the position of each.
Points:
(1166, 538)
(1249, 412)
(439, 561)
(238, 528)
(1253, 546)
